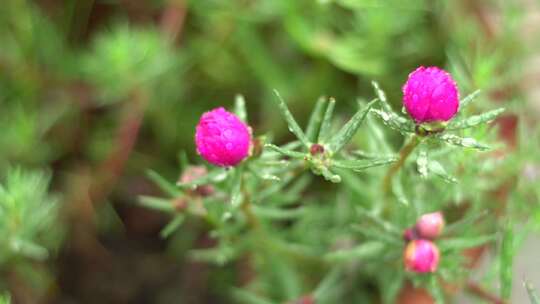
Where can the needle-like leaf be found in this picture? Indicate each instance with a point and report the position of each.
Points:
(327, 121)
(475, 120)
(362, 164)
(465, 142)
(291, 122)
(315, 120)
(345, 134)
(468, 99)
(240, 107)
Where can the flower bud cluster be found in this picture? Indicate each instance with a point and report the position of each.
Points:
(421, 255)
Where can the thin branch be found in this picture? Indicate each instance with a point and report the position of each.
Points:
(112, 167)
(394, 169)
(476, 289)
(173, 19)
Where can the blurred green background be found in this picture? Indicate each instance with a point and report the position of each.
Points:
(97, 92)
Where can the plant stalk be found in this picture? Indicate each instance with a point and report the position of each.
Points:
(404, 153)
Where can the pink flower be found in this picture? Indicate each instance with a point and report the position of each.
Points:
(430, 225)
(222, 138)
(430, 94)
(421, 256)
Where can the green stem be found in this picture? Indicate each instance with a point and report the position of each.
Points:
(252, 220)
(404, 153)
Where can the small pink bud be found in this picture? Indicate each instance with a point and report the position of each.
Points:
(421, 256)
(222, 138)
(430, 225)
(410, 234)
(193, 173)
(316, 149)
(430, 95)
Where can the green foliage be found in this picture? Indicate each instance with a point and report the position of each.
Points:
(27, 215)
(5, 299)
(531, 291)
(370, 220)
(103, 91)
(320, 155)
(507, 257)
(125, 59)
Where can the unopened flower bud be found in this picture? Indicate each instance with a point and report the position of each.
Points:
(222, 138)
(193, 173)
(421, 256)
(430, 225)
(410, 234)
(316, 149)
(430, 95)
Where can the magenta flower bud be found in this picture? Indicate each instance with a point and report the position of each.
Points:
(430, 95)
(430, 225)
(222, 138)
(421, 256)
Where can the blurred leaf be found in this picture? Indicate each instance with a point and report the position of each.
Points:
(278, 213)
(172, 226)
(531, 291)
(29, 249)
(5, 299)
(362, 164)
(465, 242)
(466, 222)
(436, 168)
(468, 99)
(506, 261)
(382, 96)
(160, 204)
(240, 108)
(436, 290)
(315, 120)
(465, 142)
(257, 172)
(345, 134)
(422, 163)
(375, 234)
(274, 189)
(329, 175)
(183, 160)
(291, 122)
(475, 120)
(286, 152)
(163, 184)
(327, 121)
(361, 252)
(214, 176)
(398, 190)
(392, 282)
(328, 284)
(218, 255)
(395, 121)
(247, 297)
(236, 187)
(386, 227)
